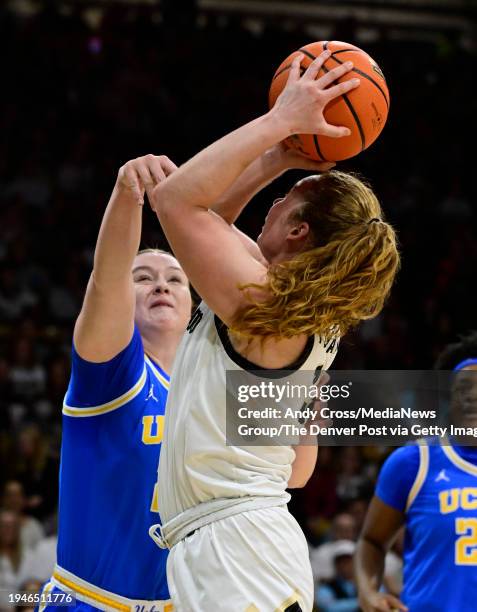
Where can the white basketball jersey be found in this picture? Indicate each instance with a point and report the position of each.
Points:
(195, 464)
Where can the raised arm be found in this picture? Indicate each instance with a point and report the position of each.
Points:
(106, 321)
(211, 253)
(260, 173)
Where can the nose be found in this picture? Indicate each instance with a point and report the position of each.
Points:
(161, 286)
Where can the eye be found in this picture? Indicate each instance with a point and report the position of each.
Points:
(175, 279)
(142, 278)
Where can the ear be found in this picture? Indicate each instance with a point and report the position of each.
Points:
(299, 232)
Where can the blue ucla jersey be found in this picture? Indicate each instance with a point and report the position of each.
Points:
(436, 487)
(113, 420)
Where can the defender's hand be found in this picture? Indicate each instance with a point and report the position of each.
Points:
(381, 602)
(144, 173)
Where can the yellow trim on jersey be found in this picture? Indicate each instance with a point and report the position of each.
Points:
(294, 598)
(162, 379)
(421, 473)
(46, 589)
(109, 406)
(458, 461)
(87, 592)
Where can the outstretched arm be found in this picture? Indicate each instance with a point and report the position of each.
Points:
(212, 255)
(106, 321)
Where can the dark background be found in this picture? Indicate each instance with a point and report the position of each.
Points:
(89, 85)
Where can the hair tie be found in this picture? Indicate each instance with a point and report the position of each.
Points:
(464, 364)
(374, 220)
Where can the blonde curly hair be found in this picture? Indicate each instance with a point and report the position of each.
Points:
(344, 276)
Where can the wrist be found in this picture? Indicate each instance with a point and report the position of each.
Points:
(274, 161)
(280, 124)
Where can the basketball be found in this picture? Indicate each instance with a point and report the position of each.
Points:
(363, 110)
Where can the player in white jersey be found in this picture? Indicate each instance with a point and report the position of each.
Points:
(325, 260)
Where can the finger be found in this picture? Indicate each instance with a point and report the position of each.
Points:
(131, 179)
(156, 170)
(304, 163)
(168, 166)
(395, 603)
(145, 175)
(324, 377)
(294, 72)
(315, 66)
(334, 131)
(334, 74)
(341, 88)
(324, 166)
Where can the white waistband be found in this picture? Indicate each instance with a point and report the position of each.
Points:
(175, 530)
(102, 599)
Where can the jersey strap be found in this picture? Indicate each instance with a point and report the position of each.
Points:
(123, 399)
(163, 381)
(102, 599)
(421, 473)
(458, 461)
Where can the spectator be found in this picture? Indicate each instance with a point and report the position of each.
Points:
(352, 478)
(14, 559)
(339, 593)
(13, 499)
(35, 466)
(322, 557)
(15, 298)
(27, 374)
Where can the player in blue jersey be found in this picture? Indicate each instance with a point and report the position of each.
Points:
(134, 314)
(432, 490)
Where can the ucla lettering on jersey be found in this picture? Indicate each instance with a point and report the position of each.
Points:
(113, 424)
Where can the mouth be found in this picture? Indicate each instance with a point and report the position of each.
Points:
(161, 302)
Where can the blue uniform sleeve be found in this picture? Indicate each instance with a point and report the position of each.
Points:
(397, 477)
(98, 384)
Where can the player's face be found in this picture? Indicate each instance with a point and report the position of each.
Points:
(277, 227)
(163, 300)
(464, 397)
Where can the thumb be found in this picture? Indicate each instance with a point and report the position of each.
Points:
(300, 162)
(395, 603)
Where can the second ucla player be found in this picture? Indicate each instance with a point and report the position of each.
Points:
(431, 488)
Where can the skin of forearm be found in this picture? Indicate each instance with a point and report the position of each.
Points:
(255, 177)
(118, 240)
(369, 566)
(304, 464)
(206, 177)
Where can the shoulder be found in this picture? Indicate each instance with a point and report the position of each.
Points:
(398, 475)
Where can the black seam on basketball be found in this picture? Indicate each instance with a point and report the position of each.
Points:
(353, 50)
(308, 54)
(353, 112)
(366, 76)
(302, 70)
(317, 147)
(356, 118)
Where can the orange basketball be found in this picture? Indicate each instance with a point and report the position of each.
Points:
(363, 110)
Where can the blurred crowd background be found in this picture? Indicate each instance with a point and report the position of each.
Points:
(87, 87)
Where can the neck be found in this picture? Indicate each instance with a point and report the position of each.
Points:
(163, 349)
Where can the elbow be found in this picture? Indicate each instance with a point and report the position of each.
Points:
(161, 200)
